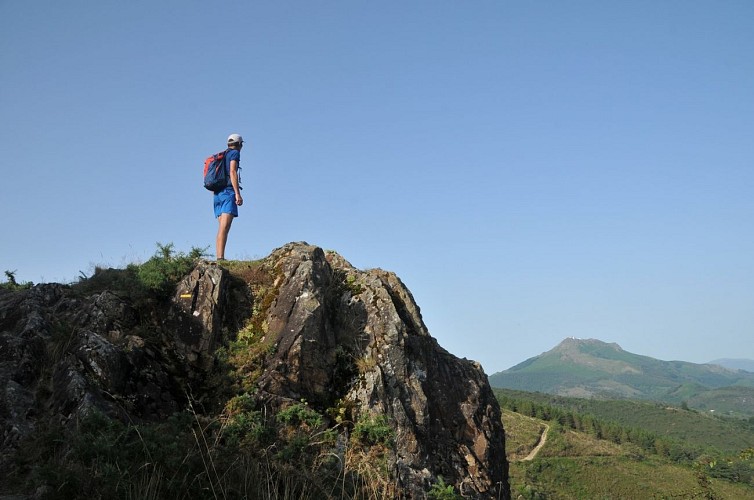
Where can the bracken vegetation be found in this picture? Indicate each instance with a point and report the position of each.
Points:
(13, 284)
(152, 280)
(241, 454)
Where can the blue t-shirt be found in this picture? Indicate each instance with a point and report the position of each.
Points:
(233, 154)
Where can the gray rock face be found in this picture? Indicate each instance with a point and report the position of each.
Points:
(62, 356)
(335, 336)
(447, 419)
(196, 321)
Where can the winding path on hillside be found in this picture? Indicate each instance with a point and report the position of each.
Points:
(540, 444)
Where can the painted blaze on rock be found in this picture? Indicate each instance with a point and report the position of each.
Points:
(197, 318)
(358, 336)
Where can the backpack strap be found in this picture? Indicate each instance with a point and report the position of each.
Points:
(227, 167)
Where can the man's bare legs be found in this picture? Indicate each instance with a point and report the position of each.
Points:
(224, 222)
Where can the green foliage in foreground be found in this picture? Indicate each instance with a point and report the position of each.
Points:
(244, 453)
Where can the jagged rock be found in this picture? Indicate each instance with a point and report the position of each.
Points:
(57, 363)
(447, 419)
(196, 320)
(108, 314)
(333, 335)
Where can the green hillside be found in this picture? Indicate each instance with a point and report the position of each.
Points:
(695, 428)
(595, 369)
(617, 477)
(587, 457)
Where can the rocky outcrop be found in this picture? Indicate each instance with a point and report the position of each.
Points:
(333, 336)
(447, 419)
(61, 356)
(196, 320)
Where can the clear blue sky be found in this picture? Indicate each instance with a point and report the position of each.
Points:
(531, 170)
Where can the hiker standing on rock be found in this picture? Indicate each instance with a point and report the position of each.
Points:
(229, 199)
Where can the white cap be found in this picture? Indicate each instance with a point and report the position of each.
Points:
(232, 138)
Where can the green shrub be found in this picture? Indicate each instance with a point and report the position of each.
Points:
(246, 428)
(442, 491)
(245, 425)
(293, 449)
(106, 458)
(12, 284)
(143, 282)
(165, 268)
(300, 413)
(373, 430)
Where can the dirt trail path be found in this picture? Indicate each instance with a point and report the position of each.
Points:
(540, 444)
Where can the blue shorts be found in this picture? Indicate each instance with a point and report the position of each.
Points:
(225, 203)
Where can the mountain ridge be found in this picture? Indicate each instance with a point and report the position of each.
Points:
(735, 363)
(592, 368)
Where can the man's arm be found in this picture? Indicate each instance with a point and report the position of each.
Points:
(234, 181)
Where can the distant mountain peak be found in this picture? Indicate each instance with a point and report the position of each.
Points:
(593, 368)
(576, 341)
